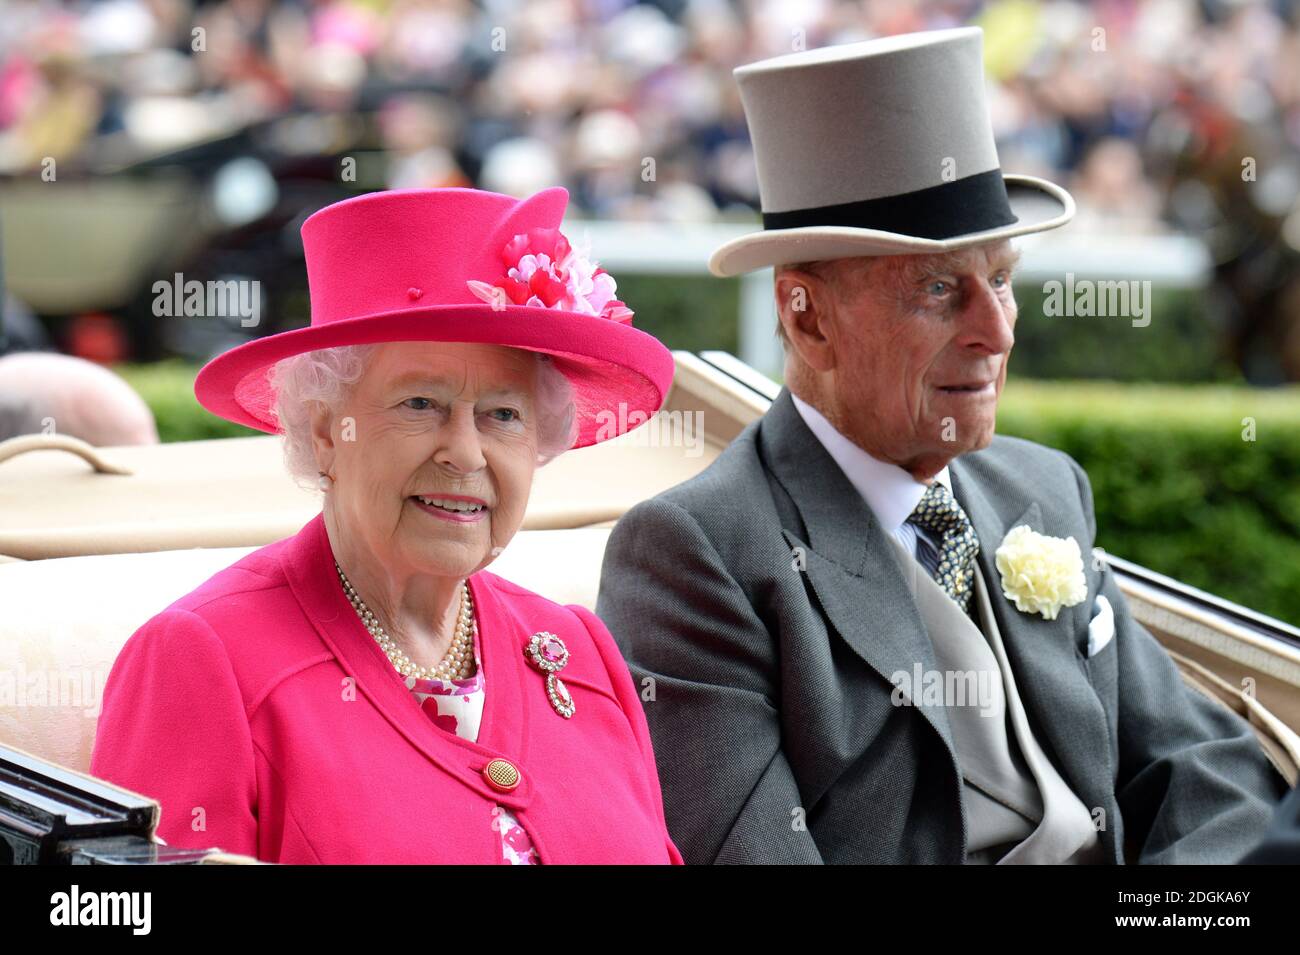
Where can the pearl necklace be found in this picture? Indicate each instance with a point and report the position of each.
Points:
(456, 664)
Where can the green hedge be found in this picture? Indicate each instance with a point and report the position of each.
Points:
(695, 312)
(1181, 343)
(168, 388)
(1177, 489)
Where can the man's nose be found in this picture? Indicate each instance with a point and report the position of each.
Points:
(460, 446)
(988, 319)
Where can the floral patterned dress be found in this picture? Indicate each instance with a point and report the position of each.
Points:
(456, 706)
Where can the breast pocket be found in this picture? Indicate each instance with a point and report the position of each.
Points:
(1102, 663)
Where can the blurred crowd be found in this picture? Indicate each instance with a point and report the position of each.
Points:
(632, 105)
(1160, 116)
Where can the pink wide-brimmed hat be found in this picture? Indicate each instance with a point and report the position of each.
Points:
(457, 265)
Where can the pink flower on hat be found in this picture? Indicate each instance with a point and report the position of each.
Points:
(544, 271)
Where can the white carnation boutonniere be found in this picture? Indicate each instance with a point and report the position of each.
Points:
(1041, 574)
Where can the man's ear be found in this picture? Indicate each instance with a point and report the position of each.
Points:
(322, 436)
(805, 305)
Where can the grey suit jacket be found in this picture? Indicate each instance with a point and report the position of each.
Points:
(762, 614)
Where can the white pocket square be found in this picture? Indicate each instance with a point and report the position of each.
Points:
(1101, 629)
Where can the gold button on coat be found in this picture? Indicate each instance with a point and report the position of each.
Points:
(501, 775)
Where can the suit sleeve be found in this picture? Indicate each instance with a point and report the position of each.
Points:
(1193, 783)
(1282, 846)
(174, 728)
(686, 626)
(621, 681)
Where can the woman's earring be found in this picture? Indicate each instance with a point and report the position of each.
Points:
(324, 482)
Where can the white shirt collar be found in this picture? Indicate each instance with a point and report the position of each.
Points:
(890, 491)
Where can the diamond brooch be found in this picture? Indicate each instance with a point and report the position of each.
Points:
(548, 653)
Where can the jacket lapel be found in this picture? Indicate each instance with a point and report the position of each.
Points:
(308, 563)
(1043, 654)
(847, 555)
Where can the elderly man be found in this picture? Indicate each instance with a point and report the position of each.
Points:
(45, 392)
(872, 630)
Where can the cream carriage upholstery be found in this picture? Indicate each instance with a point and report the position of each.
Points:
(88, 553)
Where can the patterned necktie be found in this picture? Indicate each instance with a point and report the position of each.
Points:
(941, 515)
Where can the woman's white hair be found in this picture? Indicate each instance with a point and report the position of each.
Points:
(328, 375)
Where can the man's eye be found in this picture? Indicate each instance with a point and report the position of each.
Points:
(937, 288)
(1001, 280)
(418, 404)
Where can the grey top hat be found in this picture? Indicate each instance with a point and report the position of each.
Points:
(880, 148)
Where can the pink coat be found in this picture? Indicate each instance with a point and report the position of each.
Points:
(266, 721)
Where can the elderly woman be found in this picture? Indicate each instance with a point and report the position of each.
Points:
(365, 691)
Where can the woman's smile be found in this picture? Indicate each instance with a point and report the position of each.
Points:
(452, 507)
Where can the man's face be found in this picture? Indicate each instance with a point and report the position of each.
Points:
(921, 349)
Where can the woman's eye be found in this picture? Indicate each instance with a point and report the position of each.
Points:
(509, 414)
(418, 404)
(1001, 281)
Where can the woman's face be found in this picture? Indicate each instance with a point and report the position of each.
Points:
(433, 454)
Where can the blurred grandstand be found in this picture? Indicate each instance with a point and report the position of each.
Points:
(139, 138)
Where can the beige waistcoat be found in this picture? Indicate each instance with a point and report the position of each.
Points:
(1018, 809)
